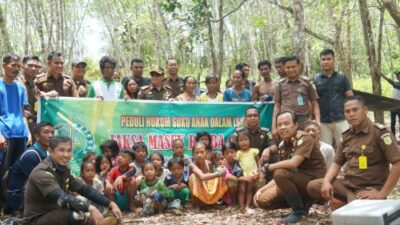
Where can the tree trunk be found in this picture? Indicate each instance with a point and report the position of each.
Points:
(4, 32)
(210, 38)
(299, 37)
(372, 54)
(348, 49)
(221, 32)
(393, 9)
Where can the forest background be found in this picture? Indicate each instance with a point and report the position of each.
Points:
(211, 36)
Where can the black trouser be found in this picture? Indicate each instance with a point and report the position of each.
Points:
(393, 115)
(16, 146)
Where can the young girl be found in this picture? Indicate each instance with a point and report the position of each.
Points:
(110, 149)
(152, 192)
(90, 156)
(131, 89)
(140, 150)
(233, 168)
(178, 148)
(177, 185)
(206, 186)
(88, 173)
(158, 160)
(248, 161)
(212, 94)
(103, 166)
(190, 87)
(205, 137)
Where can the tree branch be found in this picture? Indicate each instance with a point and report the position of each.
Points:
(394, 10)
(229, 13)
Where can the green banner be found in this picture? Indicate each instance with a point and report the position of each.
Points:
(90, 122)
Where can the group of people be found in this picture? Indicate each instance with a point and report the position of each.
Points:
(293, 166)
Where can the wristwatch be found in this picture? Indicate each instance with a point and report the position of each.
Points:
(265, 168)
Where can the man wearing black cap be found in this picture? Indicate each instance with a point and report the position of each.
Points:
(156, 90)
(78, 75)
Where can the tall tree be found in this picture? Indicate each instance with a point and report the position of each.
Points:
(299, 37)
(4, 32)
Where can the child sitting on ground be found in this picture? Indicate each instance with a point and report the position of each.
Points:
(141, 152)
(178, 148)
(90, 156)
(177, 185)
(158, 160)
(153, 192)
(205, 138)
(122, 191)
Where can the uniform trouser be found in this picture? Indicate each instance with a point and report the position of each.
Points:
(56, 217)
(393, 115)
(340, 191)
(16, 146)
(286, 183)
(330, 131)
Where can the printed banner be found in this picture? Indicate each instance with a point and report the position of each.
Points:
(90, 122)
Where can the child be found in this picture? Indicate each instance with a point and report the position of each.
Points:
(248, 161)
(178, 148)
(205, 137)
(158, 160)
(88, 173)
(212, 94)
(233, 168)
(103, 166)
(122, 191)
(90, 156)
(152, 191)
(110, 149)
(177, 185)
(140, 150)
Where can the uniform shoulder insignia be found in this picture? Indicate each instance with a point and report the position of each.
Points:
(280, 145)
(305, 78)
(347, 130)
(240, 129)
(168, 87)
(66, 76)
(264, 129)
(380, 126)
(41, 77)
(282, 80)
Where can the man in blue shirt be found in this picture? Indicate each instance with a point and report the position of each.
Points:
(22, 168)
(14, 132)
(332, 87)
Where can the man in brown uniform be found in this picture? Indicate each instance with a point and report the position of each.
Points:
(264, 90)
(157, 90)
(173, 80)
(295, 93)
(47, 199)
(54, 83)
(31, 67)
(366, 151)
(300, 161)
(78, 76)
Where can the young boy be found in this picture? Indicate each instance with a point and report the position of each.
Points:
(118, 187)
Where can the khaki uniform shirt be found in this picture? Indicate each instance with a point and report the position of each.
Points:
(260, 138)
(44, 179)
(64, 85)
(177, 85)
(308, 147)
(380, 149)
(32, 99)
(85, 84)
(151, 93)
(296, 96)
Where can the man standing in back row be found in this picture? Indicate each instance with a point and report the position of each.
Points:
(173, 80)
(332, 87)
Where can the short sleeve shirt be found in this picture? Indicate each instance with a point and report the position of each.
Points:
(248, 161)
(63, 85)
(295, 95)
(306, 146)
(331, 91)
(231, 96)
(12, 102)
(176, 85)
(43, 180)
(114, 173)
(380, 149)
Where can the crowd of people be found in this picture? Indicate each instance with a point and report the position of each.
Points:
(318, 127)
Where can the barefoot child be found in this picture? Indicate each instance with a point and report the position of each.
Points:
(177, 185)
(248, 161)
(178, 148)
(205, 137)
(110, 149)
(88, 175)
(122, 191)
(141, 152)
(103, 166)
(153, 192)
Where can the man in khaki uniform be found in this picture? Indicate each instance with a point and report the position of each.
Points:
(295, 93)
(157, 90)
(54, 83)
(300, 161)
(173, 80)
(366, 152)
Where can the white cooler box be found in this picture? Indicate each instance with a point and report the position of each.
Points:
(368, 212)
